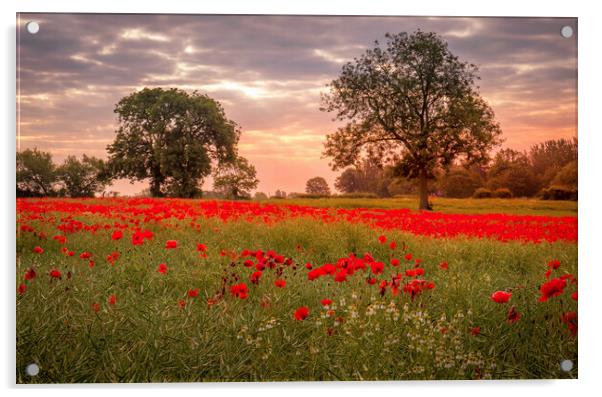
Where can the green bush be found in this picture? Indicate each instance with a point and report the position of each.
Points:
(502, 193)
(559, 193)
(482, 193)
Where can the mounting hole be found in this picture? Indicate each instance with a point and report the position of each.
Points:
(566, 32)
(32, 27)
(566, 365)
(32, 369)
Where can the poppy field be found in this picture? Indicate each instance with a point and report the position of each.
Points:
(172, 290)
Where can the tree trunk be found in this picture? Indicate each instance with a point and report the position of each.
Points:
(423, 189)
(155, 188)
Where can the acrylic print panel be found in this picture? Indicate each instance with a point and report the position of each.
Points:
(282, 198)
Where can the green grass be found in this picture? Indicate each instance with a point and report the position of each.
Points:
(146, 337)
(518, 206)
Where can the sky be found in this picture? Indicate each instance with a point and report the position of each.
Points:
(268, 73)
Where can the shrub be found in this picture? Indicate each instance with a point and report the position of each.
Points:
(559, 193)
(482, 193)
(502, 193)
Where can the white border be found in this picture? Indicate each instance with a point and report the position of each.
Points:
(590, 201)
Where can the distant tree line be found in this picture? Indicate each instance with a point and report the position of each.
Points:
(547, 170)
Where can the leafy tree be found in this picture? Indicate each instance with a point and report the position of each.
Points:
(547, 158)
(567, 176)
(512, 170)
(367, 176)
(413, 99)
(461, 182)
(36, 173)
(82, 178)
(260, 196)
(235, 180)
(317, 186)
(171, 137)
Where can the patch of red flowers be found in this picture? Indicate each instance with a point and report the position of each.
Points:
(552, 288)
(240, 291)
(162, 268)
(55, 273)
(171, 244)
(280, 283)
(570, 319)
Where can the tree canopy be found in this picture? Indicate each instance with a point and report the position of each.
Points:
(36, 173)
(235, 180)
(82, 178)
(317, 186)
(413, 103)
(171, 137)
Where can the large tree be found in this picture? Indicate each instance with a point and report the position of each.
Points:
(82, 178)
(317, 186)
(36, 173)
(171, 137)
(235, 180)
(413, 100)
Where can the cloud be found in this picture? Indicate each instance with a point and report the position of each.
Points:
(268, 72)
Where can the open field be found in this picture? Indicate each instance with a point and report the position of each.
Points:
(518, 206)
(151, 290)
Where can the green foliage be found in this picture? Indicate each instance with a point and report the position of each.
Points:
(567, 176)
(559, 193)
(317, 186)
(82, 178)
(502, 193)
(170, 137)
(412, 102)
(236, 180)
(548, 158)
(36, 173)
(460, 182)
(482, 193)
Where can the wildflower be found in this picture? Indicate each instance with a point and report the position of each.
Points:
(326, 302)
(308, 266)
(570, 319)
(513, 315)
(280, 283)
(112, 300)
(21, 289)
(394, 262)
(393, 245)
(382, 239)
(182, 303)
(30, 274)
(193, 293)
(85, 255)
(301, 313)
(501, 296)
(377, 267)
(554, 264)
(574, 296)
(408, 257)
(117, 235)
(55, 273)
(38, 250)
(444, 265)
(171, 244)
(240, 291)
(552, 288)
(255, 277)
(162, 268)
(61, 239)
(475, 330)
(95, 307)
(201, 247)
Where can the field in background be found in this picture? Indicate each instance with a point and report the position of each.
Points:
(517, 206)
(150, 290)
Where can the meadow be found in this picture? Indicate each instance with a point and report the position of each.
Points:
(151, 290)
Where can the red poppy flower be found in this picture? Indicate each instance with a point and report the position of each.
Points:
(61, 239)
(70, 253)
(85, 255)
(382, 239)
(38, 250)
(513, 315)
(394, 262)
(21, 289)
(117, 235)
(570, 319)
(112, 299)
(248, 263)
(377, 267)
(326, 302)
(240, 291)
(308, 266)
(554, 264)
(95, 307)
(30, 274)
(501, 296)
(301, 313)
(371, 280)
(552, 288)
(392, 245)
(201, 247)
(574, 296)
(171, 244)
(55, 273)
(255, 277)
(475, 330)
(280, 283)
(193, 293)
(182, 303)
(162, 268)
(91, 264)
(444, 265)
(408, 257)
(341, 276)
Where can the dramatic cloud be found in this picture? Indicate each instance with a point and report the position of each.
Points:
(268, 72)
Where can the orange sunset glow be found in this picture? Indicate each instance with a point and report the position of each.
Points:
(268, 72)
